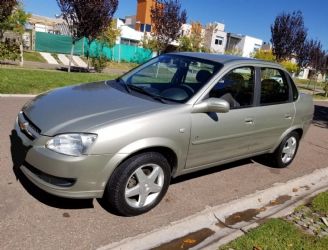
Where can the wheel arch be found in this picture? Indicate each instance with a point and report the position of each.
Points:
(297, 129)
(167, 152)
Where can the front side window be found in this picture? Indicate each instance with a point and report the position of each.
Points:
(236, 87)
(274, 87)
(171, 77)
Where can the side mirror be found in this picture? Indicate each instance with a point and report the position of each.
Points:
(216, 105)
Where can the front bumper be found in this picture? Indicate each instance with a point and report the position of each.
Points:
(89, 173)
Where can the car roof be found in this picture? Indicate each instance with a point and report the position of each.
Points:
(227, 59)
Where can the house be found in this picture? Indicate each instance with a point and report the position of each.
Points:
(215, 39)
(143, 18)
(129, 35)
(48, 25)
(243, 45)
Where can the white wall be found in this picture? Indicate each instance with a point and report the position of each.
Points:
(218, 35)
(249, 45)
(128, 33)
(216, 38)
(43, 28)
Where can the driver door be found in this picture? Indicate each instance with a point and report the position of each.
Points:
(220, 137)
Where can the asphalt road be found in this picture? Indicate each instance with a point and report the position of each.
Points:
(32, 219)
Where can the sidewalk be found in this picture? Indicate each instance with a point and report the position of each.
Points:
(216, 226)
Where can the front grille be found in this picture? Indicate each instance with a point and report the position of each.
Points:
(56, 181)
(27, 127)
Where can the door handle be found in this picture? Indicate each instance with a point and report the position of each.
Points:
(249, 121)
(288, 116)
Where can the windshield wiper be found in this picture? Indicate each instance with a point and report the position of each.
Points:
(145, 92)
(125, 85)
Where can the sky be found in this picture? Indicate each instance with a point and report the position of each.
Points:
(247, 17)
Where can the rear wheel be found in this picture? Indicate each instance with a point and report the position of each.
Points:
(286, 152)
(138, 184)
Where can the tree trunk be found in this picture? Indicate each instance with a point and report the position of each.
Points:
(21, 61)
(71, 57)
(314, 85)
(21, 49)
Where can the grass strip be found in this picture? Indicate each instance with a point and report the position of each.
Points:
(33, 81)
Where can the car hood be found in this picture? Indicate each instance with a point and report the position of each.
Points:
(81, 107)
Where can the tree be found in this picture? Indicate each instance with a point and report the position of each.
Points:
(265, 55)
(288, 35)
(150, 43)
(234, 52)
(194, 41)
(303, 57)
(107, 38)
(6, 8)
(14, 22)
(87, 18)
(8, 49)
(290, 66)
(167, 18)
(317, 57)
(185, 44)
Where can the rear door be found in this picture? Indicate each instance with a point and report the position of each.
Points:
(275, 109)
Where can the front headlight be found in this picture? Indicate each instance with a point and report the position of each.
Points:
(71, 144)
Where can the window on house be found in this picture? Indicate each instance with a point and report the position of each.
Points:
(257, 47)
(148, 28)
(145, 28)
(219, 40)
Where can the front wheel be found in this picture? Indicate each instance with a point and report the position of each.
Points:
(138, 184)
(286, 152)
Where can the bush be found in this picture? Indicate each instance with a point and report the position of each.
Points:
(290, 66)
(325, 88)
(99, 63)
(9, 50)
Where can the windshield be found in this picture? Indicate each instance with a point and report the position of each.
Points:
(171, 77)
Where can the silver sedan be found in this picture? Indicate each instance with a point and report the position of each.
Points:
(124, 140)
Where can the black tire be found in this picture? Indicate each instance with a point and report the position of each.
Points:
(278, 155)
(114, 195)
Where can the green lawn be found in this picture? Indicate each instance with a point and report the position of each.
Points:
(277, 234)
(27, 81)
(281, 234)
(33, 57)
(320, 203)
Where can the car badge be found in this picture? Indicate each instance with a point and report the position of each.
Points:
(23, 125)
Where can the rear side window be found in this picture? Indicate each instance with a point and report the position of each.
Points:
(274, 87)
(294, 88)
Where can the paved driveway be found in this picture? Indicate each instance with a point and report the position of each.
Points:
(32, 219)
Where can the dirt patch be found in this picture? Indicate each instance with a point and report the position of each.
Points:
(188, 241)
(66, 215)
(246, 216)
(280, 200)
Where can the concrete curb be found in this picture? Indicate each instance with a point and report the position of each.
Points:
(299, 190)
(17, 95)
(242, 231)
